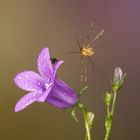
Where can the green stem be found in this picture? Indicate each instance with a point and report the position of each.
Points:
(108, 122)
(87, 126)
(107, 108)
(113, 104)
(88, 136)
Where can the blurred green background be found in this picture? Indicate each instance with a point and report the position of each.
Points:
(26, 26)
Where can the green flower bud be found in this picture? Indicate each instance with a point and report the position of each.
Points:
(90, 117)
(108, 98)
(118, 79)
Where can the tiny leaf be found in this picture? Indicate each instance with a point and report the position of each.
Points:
(90, 117)
(73, 114)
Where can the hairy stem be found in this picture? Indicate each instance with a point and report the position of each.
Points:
(109, 117)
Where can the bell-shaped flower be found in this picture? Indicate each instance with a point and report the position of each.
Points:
(45, 86)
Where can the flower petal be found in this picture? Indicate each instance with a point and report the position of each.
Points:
(26, 100)
(118, 74)
(61, 95)
(44, 64)
(56, 66)
(29, 81)
(45, 94)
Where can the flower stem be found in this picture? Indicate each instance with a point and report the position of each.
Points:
(109, 117)
(110, 99)
(87, 125)
(113, 104)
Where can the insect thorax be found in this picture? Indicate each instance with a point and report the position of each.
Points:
(87, 51)
(53, 60)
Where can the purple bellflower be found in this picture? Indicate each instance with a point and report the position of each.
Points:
(46, 86)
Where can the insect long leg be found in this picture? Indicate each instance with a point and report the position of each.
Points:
(85, 70)
(87, 38)
(92, 63)
(97, 36)
(82, 71)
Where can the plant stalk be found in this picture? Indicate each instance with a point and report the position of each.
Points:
(86, 123)
(108, 122)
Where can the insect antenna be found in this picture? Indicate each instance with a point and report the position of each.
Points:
(70, 52)
(78, 43)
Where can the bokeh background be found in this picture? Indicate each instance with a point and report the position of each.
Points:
(26, 26)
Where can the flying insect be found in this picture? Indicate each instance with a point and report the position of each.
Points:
(86, 50)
